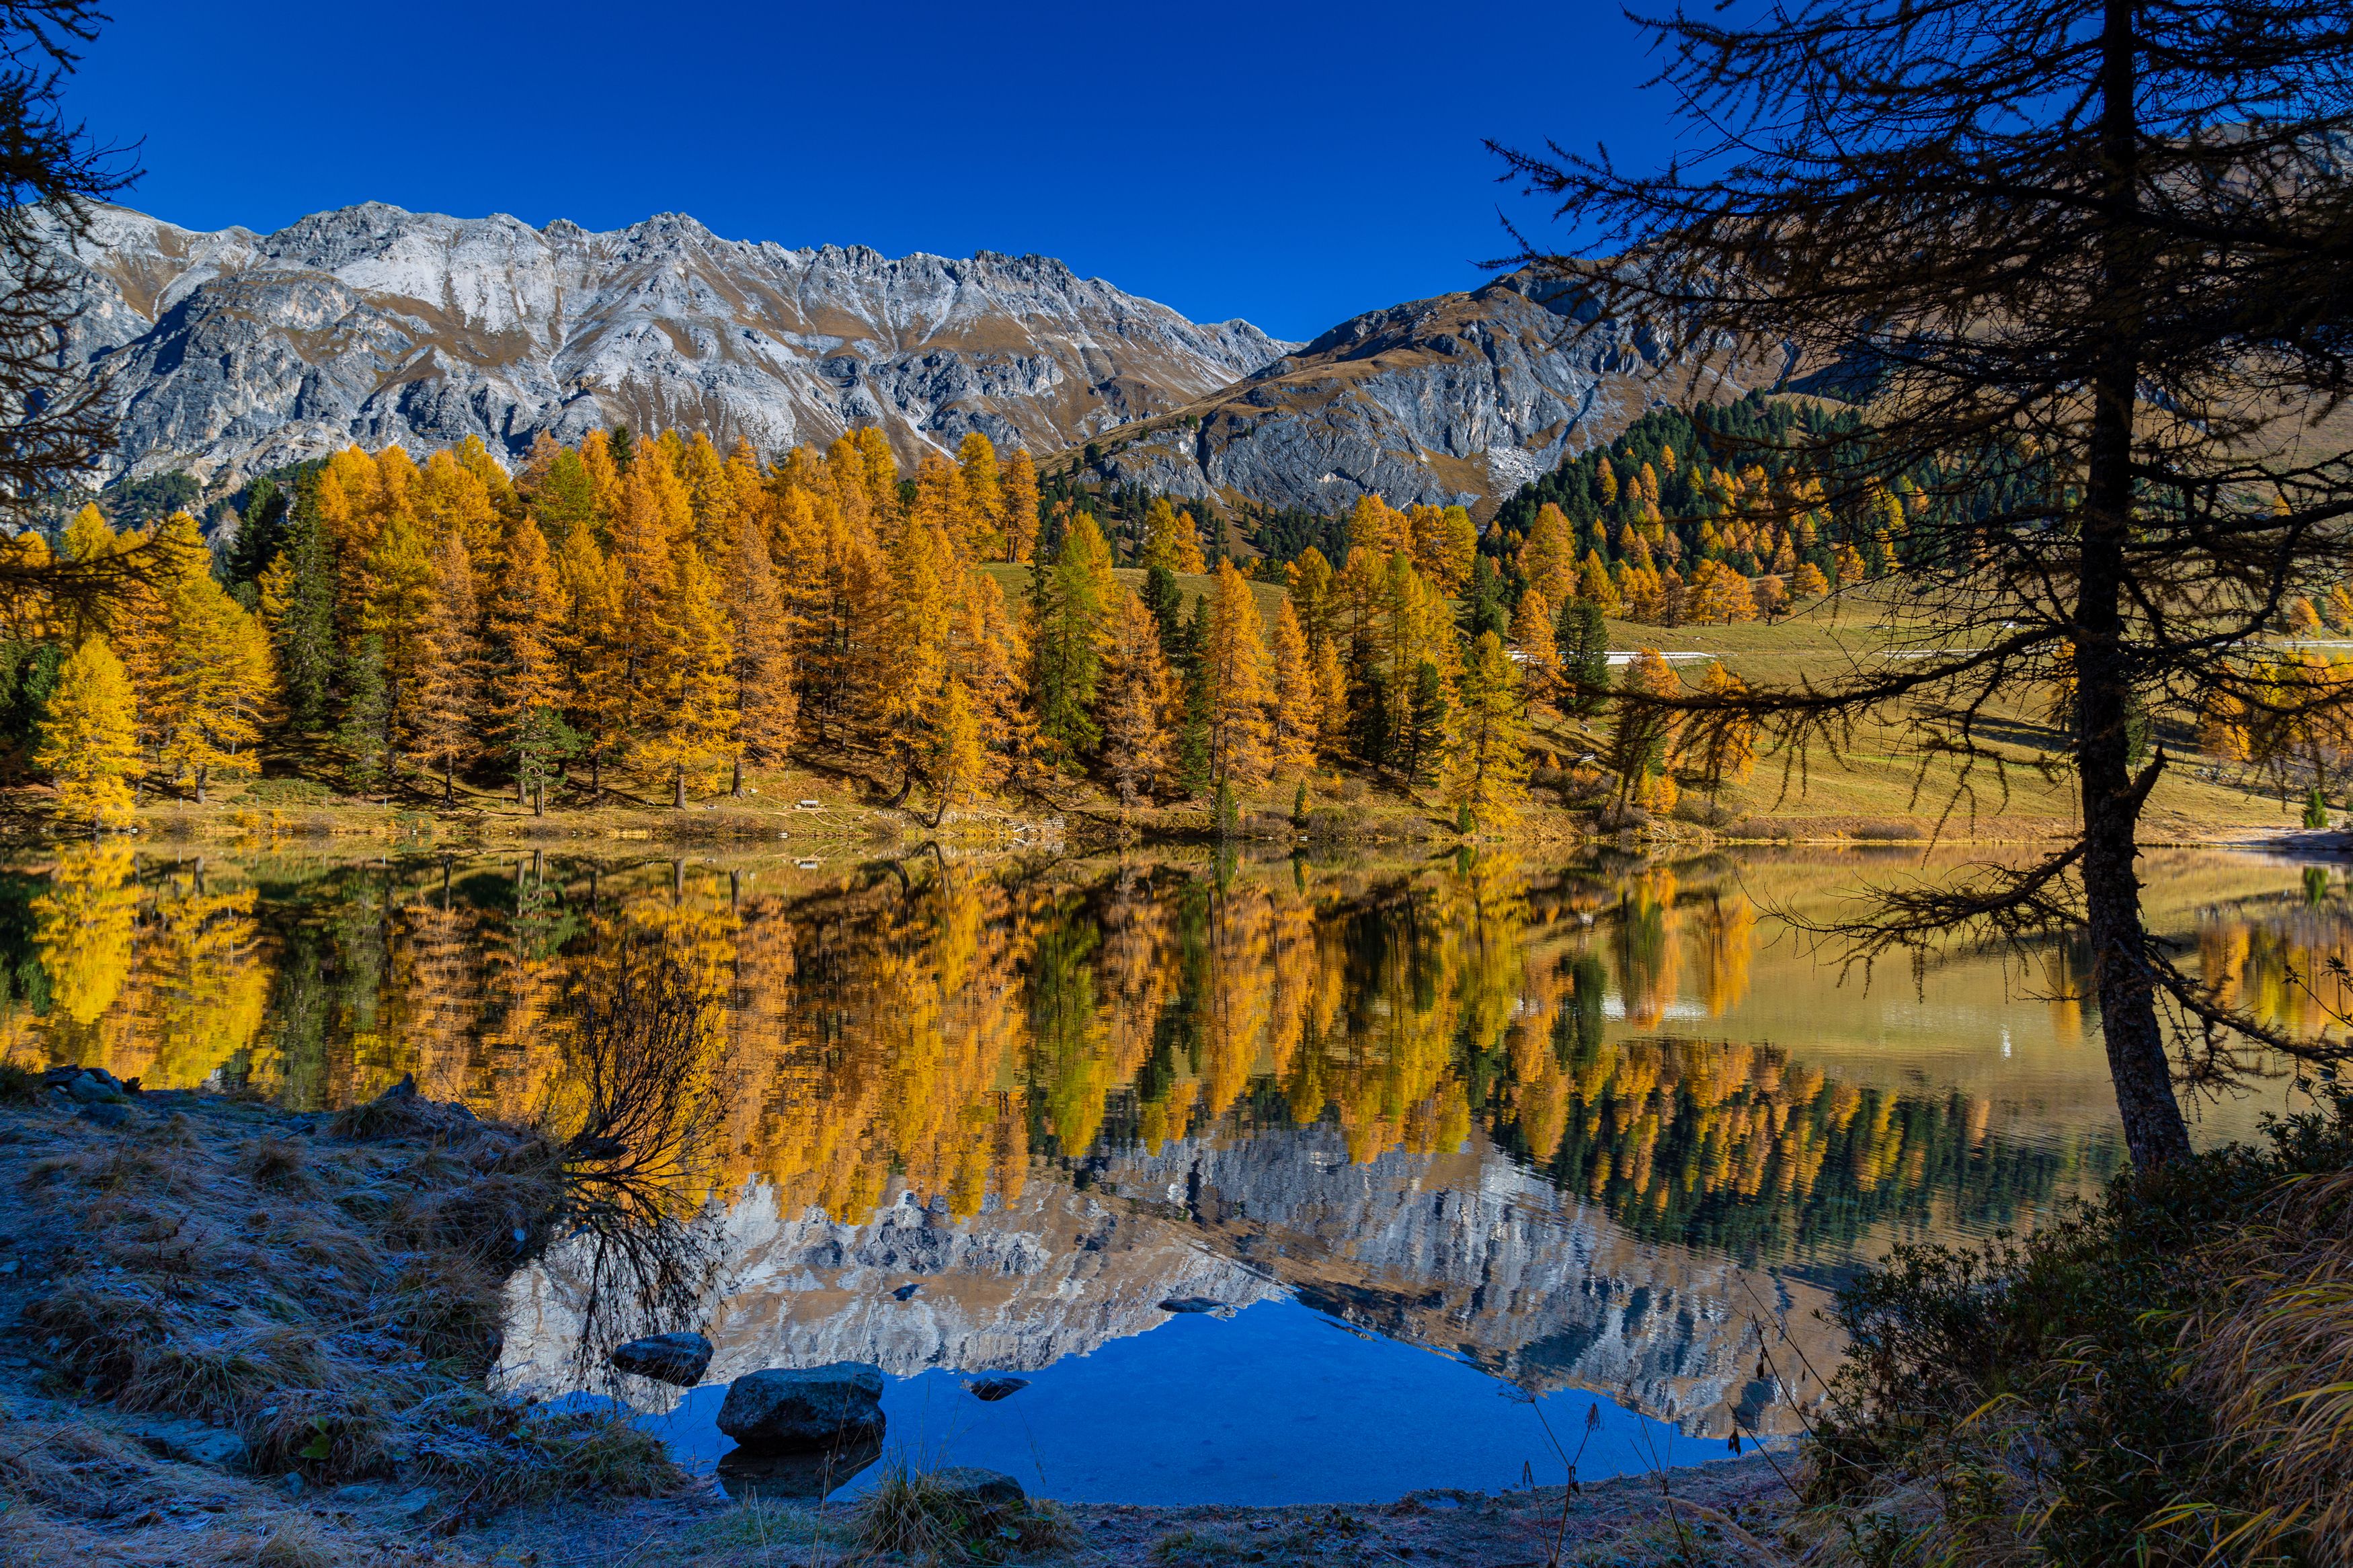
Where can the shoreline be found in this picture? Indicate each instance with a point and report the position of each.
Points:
(190, 1469)
(836, 827)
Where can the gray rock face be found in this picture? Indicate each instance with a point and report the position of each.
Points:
(778, 1412)
(679, 1358)
(232, 352)
(1458, 399)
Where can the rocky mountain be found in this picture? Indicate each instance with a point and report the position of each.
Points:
(1462, 398)
(233, 351)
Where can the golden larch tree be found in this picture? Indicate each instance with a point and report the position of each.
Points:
(957, 761)
(1136, 697)
(443, 724)
(89, 741)
(760, 663)
(1486, 766)
(1170, 540)
(1020, 506)
(1538, 647)
(1234, 663)
(689, 732)
(522, 631)
(1295, 717)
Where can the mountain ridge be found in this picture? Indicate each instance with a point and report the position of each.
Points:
(229, 352)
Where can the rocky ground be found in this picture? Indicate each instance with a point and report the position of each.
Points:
(245, 1337)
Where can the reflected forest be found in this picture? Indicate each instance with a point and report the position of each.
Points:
(962, 1030)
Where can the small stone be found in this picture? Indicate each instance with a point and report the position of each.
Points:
(905, 1293)
(1191, 1304)
(105, 1115)
(291, 1481)
(989, 1390)
(676, 1358)
(780, 1411)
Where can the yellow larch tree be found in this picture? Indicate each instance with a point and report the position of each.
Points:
(1295, 716)
(1020, 506)
(1134, 701)
(957, 763)
(984, 488)
(1170, 540)
(695, 714)
(1445, 544)
(589, 650)
(89, 740)
(522, 630)
(760, 662)
(211, 678)
(443, 724)
(1538, 647)
(1548, 555)
(1234, 663)
(1376, 526)
(397, 598)
(914, 667)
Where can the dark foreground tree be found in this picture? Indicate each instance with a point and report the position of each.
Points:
(2085, 267)
(55, 427)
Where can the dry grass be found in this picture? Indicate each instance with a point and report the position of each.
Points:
(2275, 1360)
(910, 1512)
(334, 1299)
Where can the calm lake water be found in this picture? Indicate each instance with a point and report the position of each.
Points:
(1467, 1153)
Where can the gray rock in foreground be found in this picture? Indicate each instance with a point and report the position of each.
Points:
(980, 1490)
(816, 1407)
(676, 1358)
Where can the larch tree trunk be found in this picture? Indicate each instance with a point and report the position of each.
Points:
(2155, 1132)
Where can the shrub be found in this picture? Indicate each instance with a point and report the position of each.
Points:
(2157, 1379)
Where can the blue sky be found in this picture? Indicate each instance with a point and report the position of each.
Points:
(1292, 163)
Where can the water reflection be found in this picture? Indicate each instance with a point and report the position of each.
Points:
(1601, 1126)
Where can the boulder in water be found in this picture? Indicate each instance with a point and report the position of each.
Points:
(782, 1412)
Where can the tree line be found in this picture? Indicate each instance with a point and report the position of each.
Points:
(655, 608)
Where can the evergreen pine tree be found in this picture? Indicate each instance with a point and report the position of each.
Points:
(1425, 732)
(1483, 607)
(1072, 621)
(1584, 640)
(297, 593)
(365, 737)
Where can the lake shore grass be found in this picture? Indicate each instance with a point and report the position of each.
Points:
(247, 1337)
(1864, 796)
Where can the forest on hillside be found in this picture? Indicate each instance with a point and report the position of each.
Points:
(651, 615)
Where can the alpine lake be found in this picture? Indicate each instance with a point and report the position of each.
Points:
(1274, 1179)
